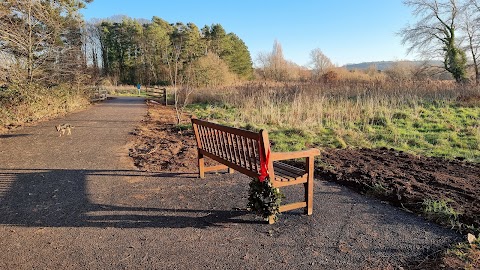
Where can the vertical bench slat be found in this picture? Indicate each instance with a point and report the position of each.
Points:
(214, 143)
(235, 149)
(207, 139)
(253, 155)
(231, 149)
(221, 136)
(244, 151)
(213, 134)
(257, 156)
(221, 146)
(201, 136)
(228, 149)
(240, 150)
(250, 155)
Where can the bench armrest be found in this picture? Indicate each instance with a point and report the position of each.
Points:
(296, 154)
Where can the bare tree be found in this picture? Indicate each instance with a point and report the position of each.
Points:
(22, 32)
(471, 27)
(92, 47)
(400, 71)
(41, 36)
(320, 63)
(274, 66)
(277, 61)
(435, 33)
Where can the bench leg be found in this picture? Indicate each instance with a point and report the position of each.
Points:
(201, 165)
(309, 197)
(309, 186)
(230, 170)
(271, 220)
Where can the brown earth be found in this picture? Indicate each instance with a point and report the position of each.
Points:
(395, 177)
(160, 145)
(407, 180)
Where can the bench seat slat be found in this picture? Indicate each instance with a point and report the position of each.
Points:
(281, 175)
(285, 176)
(288, 167)
(288, 175)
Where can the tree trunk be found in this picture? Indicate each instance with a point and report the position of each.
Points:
(477, 74)
(30, 45)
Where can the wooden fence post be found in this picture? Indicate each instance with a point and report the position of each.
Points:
(165, 95)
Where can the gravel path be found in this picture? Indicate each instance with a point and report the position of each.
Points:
(76, 202)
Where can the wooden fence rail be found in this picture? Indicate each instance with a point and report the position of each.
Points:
(159, 93)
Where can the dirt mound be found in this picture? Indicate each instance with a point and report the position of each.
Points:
(406, 180)
(402, 179)
(161, 145)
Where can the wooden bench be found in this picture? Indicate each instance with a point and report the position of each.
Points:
(240, 150)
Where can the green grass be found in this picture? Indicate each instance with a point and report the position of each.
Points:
(220, 112)
(133, 93)
(184, 126)
(440, 211)
(448, 131)
(436, 129)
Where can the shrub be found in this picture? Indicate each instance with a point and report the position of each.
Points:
(21, 104)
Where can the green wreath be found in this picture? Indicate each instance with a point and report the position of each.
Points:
(264, 199)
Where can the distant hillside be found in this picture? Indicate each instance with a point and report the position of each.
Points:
(383, 65)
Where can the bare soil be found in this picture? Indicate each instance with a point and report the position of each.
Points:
(395, 177)
(406, 180)
(160, 145)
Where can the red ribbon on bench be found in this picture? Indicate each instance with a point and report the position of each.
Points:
(263, 164)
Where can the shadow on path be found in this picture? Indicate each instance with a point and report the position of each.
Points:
(59, 198)
(4, 136)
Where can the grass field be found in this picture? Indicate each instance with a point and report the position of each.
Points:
(431, 122)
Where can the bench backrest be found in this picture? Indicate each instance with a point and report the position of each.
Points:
(237, 148)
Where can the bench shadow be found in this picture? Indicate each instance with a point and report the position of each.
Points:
(60, 198)
(5, 136)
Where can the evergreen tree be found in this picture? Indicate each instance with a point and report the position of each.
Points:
(238, 58)
(157, 51)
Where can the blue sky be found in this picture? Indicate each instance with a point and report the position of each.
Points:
(347, 31)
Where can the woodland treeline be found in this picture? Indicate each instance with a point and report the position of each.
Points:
(48, 43)
(162, 53)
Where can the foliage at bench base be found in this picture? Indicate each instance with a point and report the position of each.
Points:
(264, 199)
